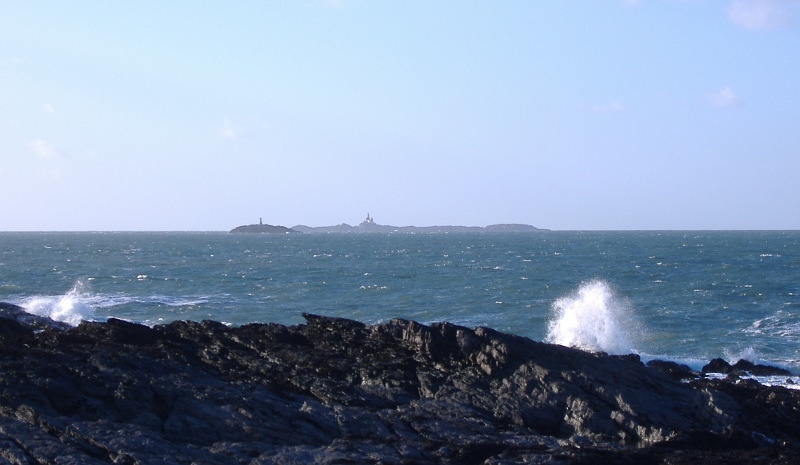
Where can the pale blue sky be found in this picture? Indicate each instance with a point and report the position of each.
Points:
(579, 114)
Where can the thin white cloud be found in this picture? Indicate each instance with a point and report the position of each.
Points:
(723, 98)
(45, 150)
(231, 130)
(52, 160)
(763, 14)
(49, 108)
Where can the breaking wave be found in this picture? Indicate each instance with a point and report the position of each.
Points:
(71, 308)
(593, 318)
(80, 304)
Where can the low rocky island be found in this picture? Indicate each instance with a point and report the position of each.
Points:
(340, 391)
(262, 228)
(369, 226)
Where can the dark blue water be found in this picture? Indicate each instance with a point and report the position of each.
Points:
(689, 296)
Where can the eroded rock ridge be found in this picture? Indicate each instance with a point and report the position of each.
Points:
(339, 391)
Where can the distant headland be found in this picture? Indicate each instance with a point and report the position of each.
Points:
(369, 226)
(263, 228)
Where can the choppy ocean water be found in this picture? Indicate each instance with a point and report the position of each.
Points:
(685, 296)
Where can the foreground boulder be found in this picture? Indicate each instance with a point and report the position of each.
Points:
(339, 391)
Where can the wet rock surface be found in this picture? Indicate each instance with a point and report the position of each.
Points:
(339, 391)
(743, 367)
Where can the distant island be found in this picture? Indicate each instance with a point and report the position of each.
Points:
(369, 226)
(262, 228)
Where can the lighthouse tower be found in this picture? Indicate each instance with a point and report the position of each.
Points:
(369, 222)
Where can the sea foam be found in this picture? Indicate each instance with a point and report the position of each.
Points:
(593, 318)
(71, 308)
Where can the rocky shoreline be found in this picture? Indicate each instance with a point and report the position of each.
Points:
(339, 391)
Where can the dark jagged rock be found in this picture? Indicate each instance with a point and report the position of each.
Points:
(717, 365)
(339, 391)
(743, 367)
(759, 370)
(674, 370)
(14, 318)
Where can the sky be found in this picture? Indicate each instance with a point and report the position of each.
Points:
(579, 114)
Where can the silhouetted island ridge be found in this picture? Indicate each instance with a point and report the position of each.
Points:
(263, 228)
(370, 226)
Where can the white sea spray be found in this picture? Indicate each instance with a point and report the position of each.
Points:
(593, 318)
(70, 308)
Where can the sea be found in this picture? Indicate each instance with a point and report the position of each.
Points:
(685, 296)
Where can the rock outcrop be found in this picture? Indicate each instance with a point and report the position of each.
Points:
(743, 367)
(339, 391)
